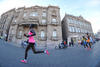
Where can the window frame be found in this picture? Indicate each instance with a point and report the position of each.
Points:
(43, 21)
(54, 20)
(42, 35)
(54, 34)
(44, 14)
(25, 14)
(34, 14)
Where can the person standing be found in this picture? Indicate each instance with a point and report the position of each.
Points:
(72, 42)
(84, 43)
(91, 41)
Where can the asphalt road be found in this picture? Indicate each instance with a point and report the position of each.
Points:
(76, 56)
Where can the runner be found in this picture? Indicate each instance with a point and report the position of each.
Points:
(88, 42)
(31, 44)
(84, 42)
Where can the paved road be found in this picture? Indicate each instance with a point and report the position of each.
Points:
(76, 56)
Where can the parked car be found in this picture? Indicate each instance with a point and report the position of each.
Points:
(97, 39)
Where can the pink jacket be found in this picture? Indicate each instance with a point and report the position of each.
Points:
(31, 39)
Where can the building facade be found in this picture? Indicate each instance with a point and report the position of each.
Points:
(5, 22)
(75, 27)
(45, 21)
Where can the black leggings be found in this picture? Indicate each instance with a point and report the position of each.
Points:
(31, 45)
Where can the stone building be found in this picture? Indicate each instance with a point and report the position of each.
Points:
(5, 22)
(45, 21)
(75, 27)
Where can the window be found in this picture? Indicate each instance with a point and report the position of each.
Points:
(24, 14)
(80, 23)
(15, 20)
(84, 24)
(79, 30)
(54, 20)
(75, 22)
(87, 25)
(70, 29)
(42, 34)
(68, 20)
(43, 21)
(76, 29)
(54, 33)
(83, 31)
(44, 14)
(71, 20)
(73, 29)
(34, 14)
(20, 33)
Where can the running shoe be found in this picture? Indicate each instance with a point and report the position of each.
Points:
(24, 61)
(46, 51)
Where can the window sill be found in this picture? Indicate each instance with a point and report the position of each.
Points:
(54, 23)
(43, 24)
(54, 38)
(42, 38)
(19, 37)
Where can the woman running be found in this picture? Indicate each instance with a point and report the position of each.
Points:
(31, 44)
